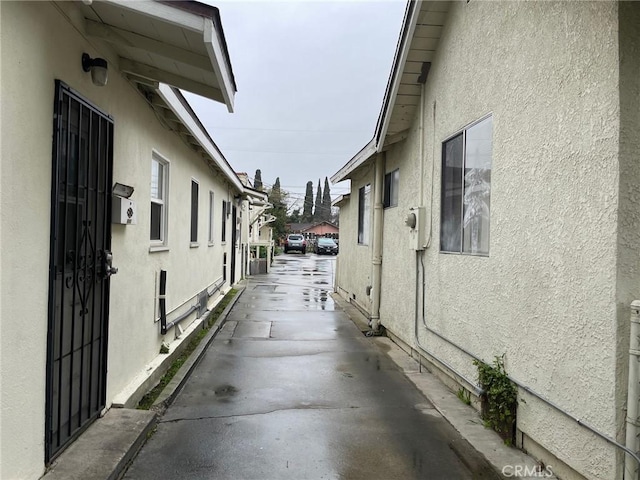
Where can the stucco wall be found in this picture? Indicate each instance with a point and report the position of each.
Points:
(40, 45)
(353, 266)
(552, 293)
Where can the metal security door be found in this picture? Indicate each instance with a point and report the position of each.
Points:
(79, 268)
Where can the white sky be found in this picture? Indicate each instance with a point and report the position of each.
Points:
(311, 78)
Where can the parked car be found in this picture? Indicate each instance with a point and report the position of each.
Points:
(295, 241)
(326, 245)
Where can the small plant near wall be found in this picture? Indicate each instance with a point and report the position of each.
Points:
(499, 400)
(464, 396)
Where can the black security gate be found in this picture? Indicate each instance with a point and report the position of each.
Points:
(79, 268)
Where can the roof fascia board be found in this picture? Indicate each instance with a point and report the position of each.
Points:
(216, 55)
(362, 156)
(340, 199)
(163, 12)
(186, 117)
(408, 30)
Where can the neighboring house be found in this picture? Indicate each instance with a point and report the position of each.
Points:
(99, 176)
(257, 233)
(496, 211)
(313, 230)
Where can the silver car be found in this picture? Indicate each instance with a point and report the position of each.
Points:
(294, 242)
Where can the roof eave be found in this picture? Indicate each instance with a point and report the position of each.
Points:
(172, 98)
(191, 16)
(402, 50)
(362, 156)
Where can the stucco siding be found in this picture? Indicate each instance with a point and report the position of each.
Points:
(548, 293)
(399, 259)
(39, 45)
(353, 268)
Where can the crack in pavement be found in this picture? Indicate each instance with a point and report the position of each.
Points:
(215, 417)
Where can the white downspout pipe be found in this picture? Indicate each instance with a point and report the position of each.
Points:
(631, 465)
(376, 277)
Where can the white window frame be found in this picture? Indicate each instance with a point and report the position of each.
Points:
(162, 243)
(212, 207)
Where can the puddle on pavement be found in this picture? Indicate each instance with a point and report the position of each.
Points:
(225, 391)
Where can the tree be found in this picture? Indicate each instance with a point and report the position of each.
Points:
(317, 212)
(257, 180)
(278, 199)
(294, 217)
(326, 201)
(307, 211)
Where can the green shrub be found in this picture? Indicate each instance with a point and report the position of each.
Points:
(499, 400)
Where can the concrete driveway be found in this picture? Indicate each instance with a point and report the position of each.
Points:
(292, 389)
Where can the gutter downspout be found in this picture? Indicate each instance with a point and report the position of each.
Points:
(376, 277)
(631, 466)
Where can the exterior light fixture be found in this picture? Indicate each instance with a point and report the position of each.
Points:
(122, 190)
(97, 67)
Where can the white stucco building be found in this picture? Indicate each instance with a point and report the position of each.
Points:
(99, 176)
(508, 141)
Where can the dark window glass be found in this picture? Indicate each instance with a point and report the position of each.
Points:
(224, 221)
(156, 221)
(391, 182)
(451, 216)
(194, 211)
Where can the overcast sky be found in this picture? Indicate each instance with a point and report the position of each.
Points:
(311, 78)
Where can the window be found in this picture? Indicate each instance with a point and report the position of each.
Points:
(391, 181)
(211, 216)
(466, 190)
(224, 221)
(364, 208)
(159, 197)
(194, 211)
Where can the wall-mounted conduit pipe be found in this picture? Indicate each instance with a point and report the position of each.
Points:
(164, 326)
(631, 467)
(630, 453)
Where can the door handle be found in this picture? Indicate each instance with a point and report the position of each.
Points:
(109, 269)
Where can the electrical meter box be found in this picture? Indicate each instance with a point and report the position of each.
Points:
(124, 211)
(416, 221)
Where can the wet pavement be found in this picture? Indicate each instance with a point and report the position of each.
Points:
(291, 389)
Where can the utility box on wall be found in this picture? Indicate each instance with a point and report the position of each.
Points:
(416, 221)
(124, 211)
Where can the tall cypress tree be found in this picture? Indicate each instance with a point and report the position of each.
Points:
(277, 199)
(307, 211)
(317, 212)
(326, 201)
(257, 180)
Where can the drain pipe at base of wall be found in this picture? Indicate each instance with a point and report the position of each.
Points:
(376, 277)
(631, 467)
(632, 460)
